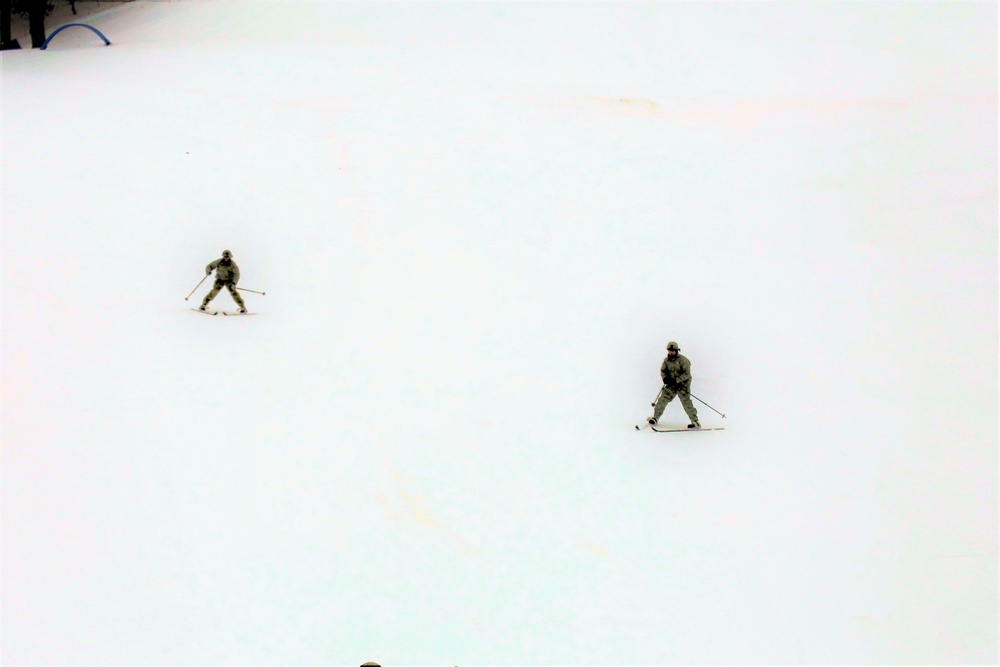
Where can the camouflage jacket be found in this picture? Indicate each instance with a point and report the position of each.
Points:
(227, 272)
(676, 372)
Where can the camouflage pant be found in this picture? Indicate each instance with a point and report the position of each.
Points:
(667, 395)
(218, 287)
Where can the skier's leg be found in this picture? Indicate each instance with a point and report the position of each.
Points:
(214, 293)
(689, 408)
(666, 396)
(236, 296)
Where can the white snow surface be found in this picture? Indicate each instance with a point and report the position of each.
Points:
(478, 225)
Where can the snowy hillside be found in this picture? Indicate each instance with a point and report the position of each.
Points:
(478, 225)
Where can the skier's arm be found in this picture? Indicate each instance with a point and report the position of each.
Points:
(684, 379)
(664, 375)
(236, 273)
(211, 267)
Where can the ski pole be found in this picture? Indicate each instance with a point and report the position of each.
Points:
(657, 396)
(695, 397)
(243, 289)
(196, 287)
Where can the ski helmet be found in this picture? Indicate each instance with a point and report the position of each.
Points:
(673, 346)
(227, 254)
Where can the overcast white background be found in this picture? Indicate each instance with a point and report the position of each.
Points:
(478, 225)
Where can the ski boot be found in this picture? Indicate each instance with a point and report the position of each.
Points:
(243, 311)
(651, 421)
(694, 424)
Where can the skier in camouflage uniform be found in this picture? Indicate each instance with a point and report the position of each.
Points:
(676, 373)
(227, 274)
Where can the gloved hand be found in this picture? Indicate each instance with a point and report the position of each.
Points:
(208, 271)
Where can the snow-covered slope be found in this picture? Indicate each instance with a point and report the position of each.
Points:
(477, 226)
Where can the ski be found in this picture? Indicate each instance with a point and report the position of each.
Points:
(220, 312)
(639, 428)
(681, 430)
